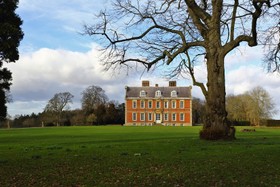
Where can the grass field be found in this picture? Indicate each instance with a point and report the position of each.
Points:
(137, 156)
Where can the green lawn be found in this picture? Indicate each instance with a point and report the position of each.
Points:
(137, 156)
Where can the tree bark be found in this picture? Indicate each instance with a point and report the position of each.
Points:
(216, 125)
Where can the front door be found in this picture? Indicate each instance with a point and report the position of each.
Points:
(158, 118)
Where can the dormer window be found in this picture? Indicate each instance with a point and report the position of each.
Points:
(143, 93)
(158, 93)
(174, 93)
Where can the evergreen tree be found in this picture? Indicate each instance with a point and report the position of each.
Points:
(10, 37)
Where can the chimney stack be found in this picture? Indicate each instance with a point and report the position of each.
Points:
(145, 83)
(172, 84)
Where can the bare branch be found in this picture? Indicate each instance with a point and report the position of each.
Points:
(163, 30)
(233, 20)
(191, 71)
(197, 14)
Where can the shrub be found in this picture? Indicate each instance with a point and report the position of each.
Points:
(240, 123)
(270, 123)
(50, 124)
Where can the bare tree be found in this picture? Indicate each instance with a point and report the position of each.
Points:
(183, 32)
(92, 97)
(58, 103)
(198, 110)
(253, 106)
(259, 105)
(236, 107)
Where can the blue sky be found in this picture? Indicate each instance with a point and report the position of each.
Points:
(55, 58)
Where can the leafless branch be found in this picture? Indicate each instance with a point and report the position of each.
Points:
(189, 65)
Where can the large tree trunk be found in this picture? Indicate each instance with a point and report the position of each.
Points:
(216, 125)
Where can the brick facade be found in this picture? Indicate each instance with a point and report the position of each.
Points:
(167, 106)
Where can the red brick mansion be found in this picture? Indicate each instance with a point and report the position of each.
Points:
(167, 106)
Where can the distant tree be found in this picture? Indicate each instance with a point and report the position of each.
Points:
(236, 107)
(46, 119)
(91, 119)
(92, 97)
(111, 114)
(58, 103)
(29, 122)
(259, 105)
(154, 33)
(198, 111)
(10, 37)
(78, 117)
(251, 106)
(121, 114)
(100, 112)
(17, 122)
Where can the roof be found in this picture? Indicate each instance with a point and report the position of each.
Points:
(165, 91)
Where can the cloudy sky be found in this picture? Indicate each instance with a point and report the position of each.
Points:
(55, 58)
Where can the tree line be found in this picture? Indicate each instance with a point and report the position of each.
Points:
(96, 110)
(249, 108)
(252, 106)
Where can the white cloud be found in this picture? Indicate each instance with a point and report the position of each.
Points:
(68, 12)
(56, 24)
(26, 107)
(44, 70)
(245, 78)
(243, 73)
(37, 76)
(244, 56)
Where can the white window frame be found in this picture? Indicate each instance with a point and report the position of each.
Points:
(182, 117)
(142, 104)
(157, 117)
(173, 93)
(158, 93)
(165, 117)
(150, 116)
(158, 104)
(174, 116)
(134, 116)
(173, 103)
(134, 104)
(142, 93)
(182, 104)
(166, 104)
(142, 116)
(150, 104)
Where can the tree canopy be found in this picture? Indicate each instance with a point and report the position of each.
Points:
(181, 33)
(58, 103)
(252, 106)
(92, 97)
(10, 37)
